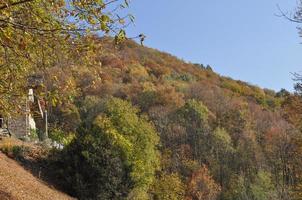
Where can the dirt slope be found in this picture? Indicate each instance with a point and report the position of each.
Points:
(18, 184)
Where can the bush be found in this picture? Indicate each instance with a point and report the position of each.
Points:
(15, 151)
(113, 156)
(94, 169)
(61, 137)
(33, 134)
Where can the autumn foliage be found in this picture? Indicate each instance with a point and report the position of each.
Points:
(147, 125)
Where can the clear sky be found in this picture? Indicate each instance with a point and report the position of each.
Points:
(243, 39)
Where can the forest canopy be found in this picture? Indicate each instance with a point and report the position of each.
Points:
(196, 134)
(135, 123)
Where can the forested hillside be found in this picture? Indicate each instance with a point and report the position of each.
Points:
(138, 123)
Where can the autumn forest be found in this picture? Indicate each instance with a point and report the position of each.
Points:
(137, 123)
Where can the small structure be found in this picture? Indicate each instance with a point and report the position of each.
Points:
(32, 119)
(3, 130)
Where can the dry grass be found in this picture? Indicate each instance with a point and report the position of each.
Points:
(18, 184)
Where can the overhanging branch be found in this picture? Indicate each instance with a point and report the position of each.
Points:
(287, 16)
(14, 4)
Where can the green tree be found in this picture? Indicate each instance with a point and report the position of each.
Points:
(168, 187)
(263, 188)
(220, 155)
(237, 189)
(93, 168)
(129, 140)
(194, 117)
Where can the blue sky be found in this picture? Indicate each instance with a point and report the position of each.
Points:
(243, 39)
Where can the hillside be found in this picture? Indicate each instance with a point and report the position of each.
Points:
(100, 116)
(171, 129)
(16, 183)
(113, 68)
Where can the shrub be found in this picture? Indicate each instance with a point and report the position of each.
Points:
(60, 136)
(15, 151)
(113, 156)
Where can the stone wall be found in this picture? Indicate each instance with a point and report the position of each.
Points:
(31, 117)
(18, 126)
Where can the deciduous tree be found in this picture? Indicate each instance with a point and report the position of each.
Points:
(36, 34)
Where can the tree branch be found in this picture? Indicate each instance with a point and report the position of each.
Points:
(14, 4)
(286, 16)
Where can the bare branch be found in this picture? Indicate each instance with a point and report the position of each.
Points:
(286, 16)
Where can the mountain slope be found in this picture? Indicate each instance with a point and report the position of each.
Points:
(238, 140)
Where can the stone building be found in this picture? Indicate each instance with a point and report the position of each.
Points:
(33, 118)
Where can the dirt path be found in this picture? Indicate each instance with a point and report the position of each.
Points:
(18, 184)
